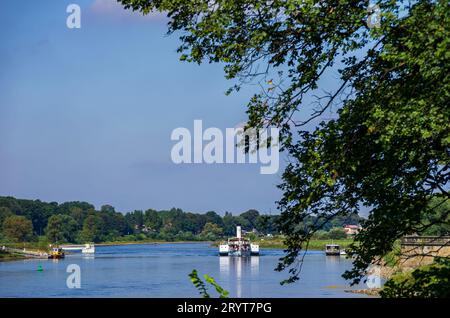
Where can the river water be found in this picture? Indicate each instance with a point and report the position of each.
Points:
(161, 270)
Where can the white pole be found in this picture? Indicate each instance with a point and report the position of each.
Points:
(238, 232)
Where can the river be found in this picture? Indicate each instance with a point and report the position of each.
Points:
(161, 270)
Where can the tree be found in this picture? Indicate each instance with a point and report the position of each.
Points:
(384, 143)
(135, 220)
(321, 235)
(107, 208)
(61, 228)
(229, 224)
(213, 217)
(337, 233)
(267, 224)
(437, 221)
(92, 229)
(211, 232)
(4, 213)
(152, 220)
(251, 216)
(17, 228)
(78, 215)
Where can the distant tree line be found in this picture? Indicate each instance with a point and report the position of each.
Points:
(79, 222)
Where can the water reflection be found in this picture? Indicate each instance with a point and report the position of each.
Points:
(238, 265)
(332, 259)
(224, 265)
(238, 269)
(254, 265)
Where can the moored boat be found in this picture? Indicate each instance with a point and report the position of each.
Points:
(56, 253)
(332, 250)
(88, 248)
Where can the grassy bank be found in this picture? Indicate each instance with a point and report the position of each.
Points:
(263, 243)
(5, 256)
(276, 243)
(39, 246)
(314, 245)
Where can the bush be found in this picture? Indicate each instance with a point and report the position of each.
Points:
(185, 236)
(321, 235)
(430, 281)
(337, 233)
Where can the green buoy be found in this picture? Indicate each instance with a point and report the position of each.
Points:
(40, 269)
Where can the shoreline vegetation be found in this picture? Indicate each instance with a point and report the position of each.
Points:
(7, 257)
(34, 225)
(277, 243)
(264, 243)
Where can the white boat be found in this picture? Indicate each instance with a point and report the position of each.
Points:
(238, 246)
(88, 249)
(332, 250)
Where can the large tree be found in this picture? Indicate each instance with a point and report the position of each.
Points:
(17, 228)
(211, 232)
(61, 228)
(152, 220)
(4, 213)
(377, 137)
(93, 229)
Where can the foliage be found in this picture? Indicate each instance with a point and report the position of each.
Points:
(61, 228)
(203, 289)
(211, 232)
(437, 221)
(79, 222)
(337, 233)
(222, 292)
(429, 281)
(392, 258)
(4, 213)
(92, 229)
(152, 220)
(251, 216)
(385, 141)
(17, 228)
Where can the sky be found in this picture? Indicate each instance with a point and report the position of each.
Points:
(86, 114)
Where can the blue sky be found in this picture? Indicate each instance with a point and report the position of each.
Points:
(86, 114)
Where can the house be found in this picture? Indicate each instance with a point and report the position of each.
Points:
(352, 229)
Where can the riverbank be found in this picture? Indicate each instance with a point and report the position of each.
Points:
(117, 243)
(264, 243)
(314, 245)
(38, 247)
(6, 256)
